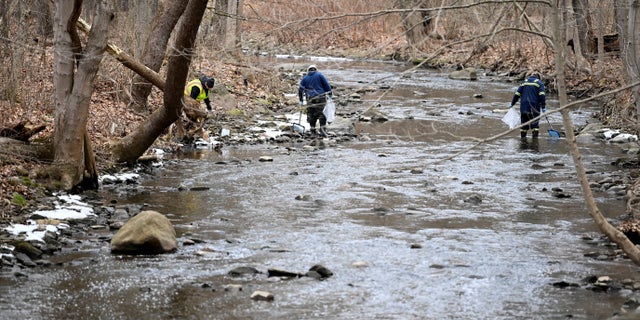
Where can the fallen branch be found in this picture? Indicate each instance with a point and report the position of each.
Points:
(21, 131)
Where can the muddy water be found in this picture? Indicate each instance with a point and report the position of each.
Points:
(407, 236)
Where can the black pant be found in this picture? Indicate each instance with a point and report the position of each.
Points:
(314, 111)
(524, 117)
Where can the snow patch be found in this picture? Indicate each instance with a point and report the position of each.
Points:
(68, 207)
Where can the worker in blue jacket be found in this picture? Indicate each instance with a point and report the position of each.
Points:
(532, 103)
(315, 88)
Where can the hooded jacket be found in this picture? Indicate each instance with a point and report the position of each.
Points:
(313, 84)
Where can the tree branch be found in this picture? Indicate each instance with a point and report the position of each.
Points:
(127, 60)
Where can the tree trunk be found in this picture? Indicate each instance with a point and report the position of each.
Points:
(605, 227)
(580, 12)
(4, 29)
(154, 51)
(237, 45)
(416, 24)
(73, 87)
(219, 22)
(127, 60)
(14, 67)
(131, 147)
(631, 52)
(45, 26)
(582, 44)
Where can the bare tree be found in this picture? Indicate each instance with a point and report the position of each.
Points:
(417, 24)
(43, 14)
(226, 24)
(581, 34)
(605, 227)
(219, 22)
(131, 147)
(628, 13)
(154, 50)
(75, 70)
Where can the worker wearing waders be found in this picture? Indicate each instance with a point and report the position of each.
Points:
(198, 89)
(315, 87)
(532, 103)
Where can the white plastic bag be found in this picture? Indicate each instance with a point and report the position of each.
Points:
(329, 110)
(512, 118)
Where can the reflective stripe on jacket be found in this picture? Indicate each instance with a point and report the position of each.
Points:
(531, 95)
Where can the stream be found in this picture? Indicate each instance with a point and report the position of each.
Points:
(407, 232)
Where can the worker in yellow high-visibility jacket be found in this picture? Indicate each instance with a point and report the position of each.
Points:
(198, 89)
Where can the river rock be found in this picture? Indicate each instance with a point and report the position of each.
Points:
(24, 260)
(240, 271)
(474, 199)
(28, 249)
(374, 115)
(623, 138)
(319, 271)
(464, 74)
(275, 272)
(149, 232)
(360, 264)
(262, 296)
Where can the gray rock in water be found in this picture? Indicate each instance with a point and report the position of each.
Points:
(474, 198)
(149, 232)
(374, 115)
(240, 271)
(274, 272)
(262, 296)
(464, 74)
(319, 270)
(24, 260)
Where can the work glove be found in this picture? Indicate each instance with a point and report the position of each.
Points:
(544, 109)
(510, 106)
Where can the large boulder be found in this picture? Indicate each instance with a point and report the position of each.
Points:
(149, 232)
(464, 74)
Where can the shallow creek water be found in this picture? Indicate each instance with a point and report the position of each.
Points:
(395, 227)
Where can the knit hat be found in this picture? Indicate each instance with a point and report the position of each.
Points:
(210, 82)
(312, 68)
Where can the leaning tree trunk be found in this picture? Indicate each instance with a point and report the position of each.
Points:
(75, 71)
(131, 147)
(605, 227)
(154, 50)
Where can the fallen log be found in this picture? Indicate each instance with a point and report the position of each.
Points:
(21, 131)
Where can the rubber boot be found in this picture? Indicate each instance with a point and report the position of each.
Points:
(523, 134)
(313, 131)
(534, 133)
(323, 131)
